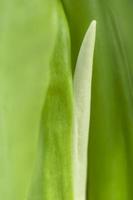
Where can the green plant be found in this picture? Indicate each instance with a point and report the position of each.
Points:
(66, 123)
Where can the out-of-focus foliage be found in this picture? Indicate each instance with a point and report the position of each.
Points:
(110, 160)
(79, 20)
(34, 61)
(36, 101)
(54, 162)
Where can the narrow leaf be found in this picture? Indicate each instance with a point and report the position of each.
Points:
(82, 96)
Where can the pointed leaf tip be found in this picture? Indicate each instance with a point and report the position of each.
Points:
(82, 98)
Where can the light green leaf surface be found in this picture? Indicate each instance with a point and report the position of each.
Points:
(25, 53)
(53, 178)
(36, 101)
(82, 97)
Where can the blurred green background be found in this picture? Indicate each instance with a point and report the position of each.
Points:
(110, 153)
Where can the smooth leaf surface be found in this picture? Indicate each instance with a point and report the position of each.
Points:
(82, 97)
(24, 77)
(53, 178)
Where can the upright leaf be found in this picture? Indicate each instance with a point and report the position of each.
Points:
(82, 97)
(110, 162)
(53, 178)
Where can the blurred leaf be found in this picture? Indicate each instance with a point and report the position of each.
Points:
(111, 128)
(77, 15)
(27, 37)
(52, 178)
(110, 163)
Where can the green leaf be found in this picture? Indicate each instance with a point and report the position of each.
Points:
(26, 46)
(110, 149)
(82, 96)
(110, 162)
(52, 177)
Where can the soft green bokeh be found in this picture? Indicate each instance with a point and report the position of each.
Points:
(78, 16)
(27, 39)
(110, 160)
(36, 98)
